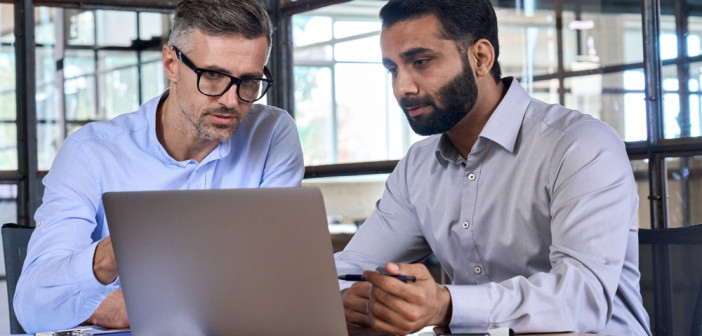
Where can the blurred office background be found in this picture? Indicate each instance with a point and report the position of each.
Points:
(634, 64)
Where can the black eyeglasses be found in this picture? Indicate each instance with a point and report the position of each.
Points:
(214, 83)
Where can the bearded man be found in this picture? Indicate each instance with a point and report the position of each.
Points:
(529, 207)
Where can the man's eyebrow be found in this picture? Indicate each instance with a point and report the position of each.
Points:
(414, 51)
(215, 68)
(251, 75)
(227, 72)
(406, 55)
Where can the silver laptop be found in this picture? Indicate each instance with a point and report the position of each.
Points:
(225, 262)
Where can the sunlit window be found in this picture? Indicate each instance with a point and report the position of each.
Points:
(8, 115)
(88, 71)
(344, 107)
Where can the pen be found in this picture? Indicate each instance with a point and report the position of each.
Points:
(359, 277)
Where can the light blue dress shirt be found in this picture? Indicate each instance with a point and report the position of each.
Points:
(536, 228)
(57, 288)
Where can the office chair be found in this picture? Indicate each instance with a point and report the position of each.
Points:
(14, 242)
(670, 261)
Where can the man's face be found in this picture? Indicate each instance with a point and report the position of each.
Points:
(423, 64)
(216, 118)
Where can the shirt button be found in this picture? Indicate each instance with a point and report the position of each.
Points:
(471, 176)
(478, 270)
(466, 225)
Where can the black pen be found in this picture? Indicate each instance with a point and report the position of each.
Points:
(359, 277)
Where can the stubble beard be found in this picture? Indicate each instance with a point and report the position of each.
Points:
(211, 131)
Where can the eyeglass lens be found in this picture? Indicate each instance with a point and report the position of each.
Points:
(214, 83)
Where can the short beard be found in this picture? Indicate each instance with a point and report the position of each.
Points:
(214, 132)
(457, 98)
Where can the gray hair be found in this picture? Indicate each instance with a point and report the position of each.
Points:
(219, 17)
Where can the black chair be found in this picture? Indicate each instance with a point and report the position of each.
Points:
(14, 242)
(670, 261)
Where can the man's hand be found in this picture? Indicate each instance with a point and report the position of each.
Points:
(104, 264)
(399, 308)
(111, 313)
(355, 300)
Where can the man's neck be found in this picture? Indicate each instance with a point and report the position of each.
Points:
(180, 140)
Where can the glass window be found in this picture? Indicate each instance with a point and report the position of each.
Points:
(616, 98)
(8, 203)
(49, 139)
(598, 45)
(8, 102)
(8, 146)
(313, 116)
(106, 22)
(88, 71)
(684, 191)
(681, 74)
(153, 78)
(640, 168)
(152, 26)
(600, 72)
(361, 124)
(528, 42)
(80, 28)
(79, 87)
(7, 23)
(344, 106)
(118, 83)
(45, 31)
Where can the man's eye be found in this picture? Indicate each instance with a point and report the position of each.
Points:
(392, 71)
(421, 62)
(213, 75)
(249, 82)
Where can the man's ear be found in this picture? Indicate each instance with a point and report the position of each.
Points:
(484, 55)
(170, 61)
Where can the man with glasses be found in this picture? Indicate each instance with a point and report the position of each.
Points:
(202, 133)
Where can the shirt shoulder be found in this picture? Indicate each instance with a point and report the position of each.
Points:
(105, 130)
(136, 125)
(557, 118)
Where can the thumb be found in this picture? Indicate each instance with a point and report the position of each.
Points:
(393, 268)
(418, 270)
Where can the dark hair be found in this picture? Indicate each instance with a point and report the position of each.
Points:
(218, 17)
(462, 21)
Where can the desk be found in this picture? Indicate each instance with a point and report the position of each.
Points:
(375, 334)
(426, 331)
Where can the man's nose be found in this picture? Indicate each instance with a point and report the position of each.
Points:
(405, 85)
(230, 98)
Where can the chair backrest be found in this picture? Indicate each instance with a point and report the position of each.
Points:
(670, 261)
(14, 242)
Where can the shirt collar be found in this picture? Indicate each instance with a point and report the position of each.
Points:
(445, 152)
(502, 127)
(506, 121)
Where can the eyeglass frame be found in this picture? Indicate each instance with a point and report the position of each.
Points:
(232, 80)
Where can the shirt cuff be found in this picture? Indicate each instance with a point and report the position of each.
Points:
(471, 308)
